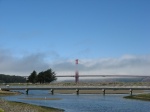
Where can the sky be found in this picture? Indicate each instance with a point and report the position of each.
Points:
(107, 36)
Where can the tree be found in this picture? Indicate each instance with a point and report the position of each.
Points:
(40, 77)
(46, 76)
(33, 77)
(49, 75)
(11, 79)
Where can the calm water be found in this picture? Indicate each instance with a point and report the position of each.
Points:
(84, 102)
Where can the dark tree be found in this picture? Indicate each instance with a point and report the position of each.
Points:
(33, 77)
(46, 76)
(49, 75)
(11, 79)
(40, 77)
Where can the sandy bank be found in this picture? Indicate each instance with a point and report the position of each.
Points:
(5, 93)
(8, 106)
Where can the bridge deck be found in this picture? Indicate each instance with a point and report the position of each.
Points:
(80, 88)
(104, 75)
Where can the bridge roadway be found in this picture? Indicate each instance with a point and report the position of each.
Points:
(100, 76)
(77, 88)
(104, 75)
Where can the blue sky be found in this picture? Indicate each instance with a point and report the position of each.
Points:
(107, 36)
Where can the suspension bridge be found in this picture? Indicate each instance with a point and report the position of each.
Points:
(76, 76)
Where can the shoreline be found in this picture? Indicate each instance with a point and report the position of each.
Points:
(144, 97)
(8, 93)
(14, 106)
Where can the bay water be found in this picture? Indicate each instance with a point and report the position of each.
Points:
(83, 102)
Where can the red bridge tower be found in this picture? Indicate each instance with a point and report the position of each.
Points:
(76, 72)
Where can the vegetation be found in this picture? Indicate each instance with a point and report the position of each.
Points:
(32, 77)
(42, 77)
(101, 83)
(139, 97)
(11, 79)
(1, 110)
(8, 106)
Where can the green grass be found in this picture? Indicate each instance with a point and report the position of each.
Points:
(145, 97)
(1, 110)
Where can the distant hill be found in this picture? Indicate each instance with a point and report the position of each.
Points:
(11, 79)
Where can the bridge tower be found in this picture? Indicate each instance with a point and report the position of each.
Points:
(76, 72)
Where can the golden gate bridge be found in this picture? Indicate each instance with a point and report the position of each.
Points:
(76, 76)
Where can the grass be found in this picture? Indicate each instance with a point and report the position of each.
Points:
(8, 106)
(145, 97)
(104, 83)
(1, 110)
